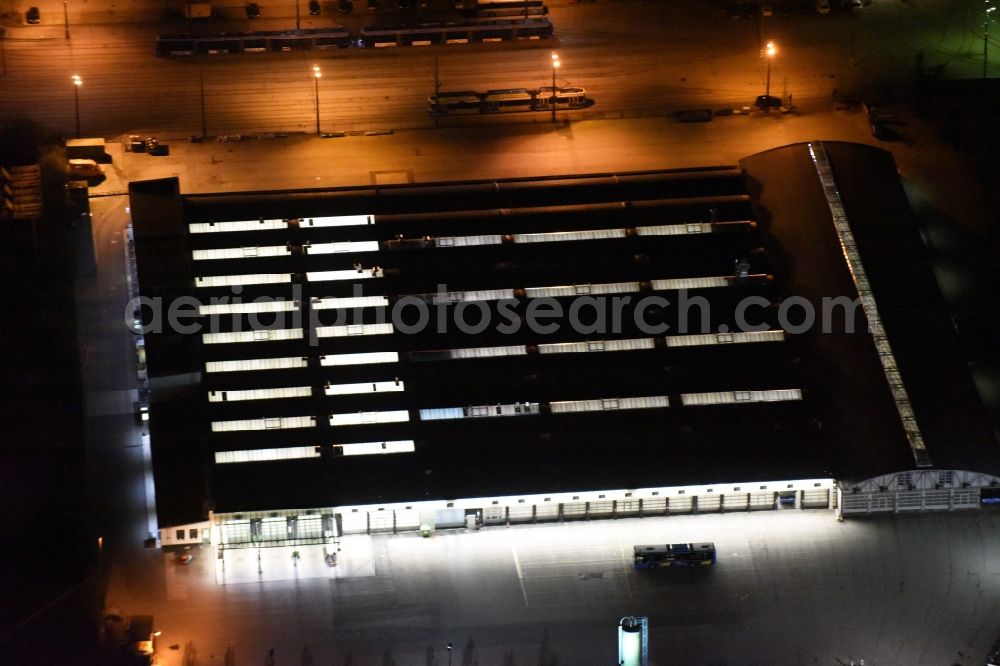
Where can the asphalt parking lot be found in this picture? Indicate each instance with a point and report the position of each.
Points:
(790, 587)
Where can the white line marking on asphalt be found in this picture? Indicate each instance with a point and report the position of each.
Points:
(520, 575)
(625, 569)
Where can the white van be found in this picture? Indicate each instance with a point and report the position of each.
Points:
(84, 169)
(823, 6)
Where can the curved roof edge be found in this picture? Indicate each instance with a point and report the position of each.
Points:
(922, 479)
(805, 145)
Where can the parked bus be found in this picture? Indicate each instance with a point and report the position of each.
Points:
(503, 101)
(502, 4)
(454, 103)
(501, 8)
(674, 555)
(253, 42)
(472, 30)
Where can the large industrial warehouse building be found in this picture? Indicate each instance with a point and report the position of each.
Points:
(396, 357)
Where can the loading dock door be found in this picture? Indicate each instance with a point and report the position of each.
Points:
(816, 499)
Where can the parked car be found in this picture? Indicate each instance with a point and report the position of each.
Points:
(345, 6)
(314, 8)
(694, 115)
(767, 102)
(33, 16)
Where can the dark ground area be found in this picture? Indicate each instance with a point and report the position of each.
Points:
(964, 115)
(50, 602)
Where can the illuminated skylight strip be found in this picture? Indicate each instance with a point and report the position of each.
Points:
(468, 352)
(240, 225)
(632, 344)
(609, 404)
(341, 247)
(563, 236)
(468, 241)
(257, 364)
(337, 221)
(304, 452)
(460, 296)
(369, 418)
(351, 302)
(284, 423)
(824, 172)
(692, 228)
(260, 394)
(366, 387)
(476, 411)
(487, 352)
(724, 338)
(363, 358)
(264, 335)
(348, 274)
(376, 448)
(233, 280)
(582, 289)
(248, 308)
(352, 330)
(691, 283)
(265, 455)
(249, 252)
(740, 397)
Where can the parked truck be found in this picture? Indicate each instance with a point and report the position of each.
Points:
(86, 149)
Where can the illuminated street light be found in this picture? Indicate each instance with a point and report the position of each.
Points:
(770, 51)
(77, 82)
(317, 75)
(986, 32)
(555, 66)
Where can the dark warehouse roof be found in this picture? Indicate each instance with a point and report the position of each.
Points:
(491, 412)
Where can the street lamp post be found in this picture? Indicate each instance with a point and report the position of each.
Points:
(770, 50)
(986, 34)
(317, 74)
(66, 17)
(201, 95)
(555, 66)
(77, 82)
(448, 647)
